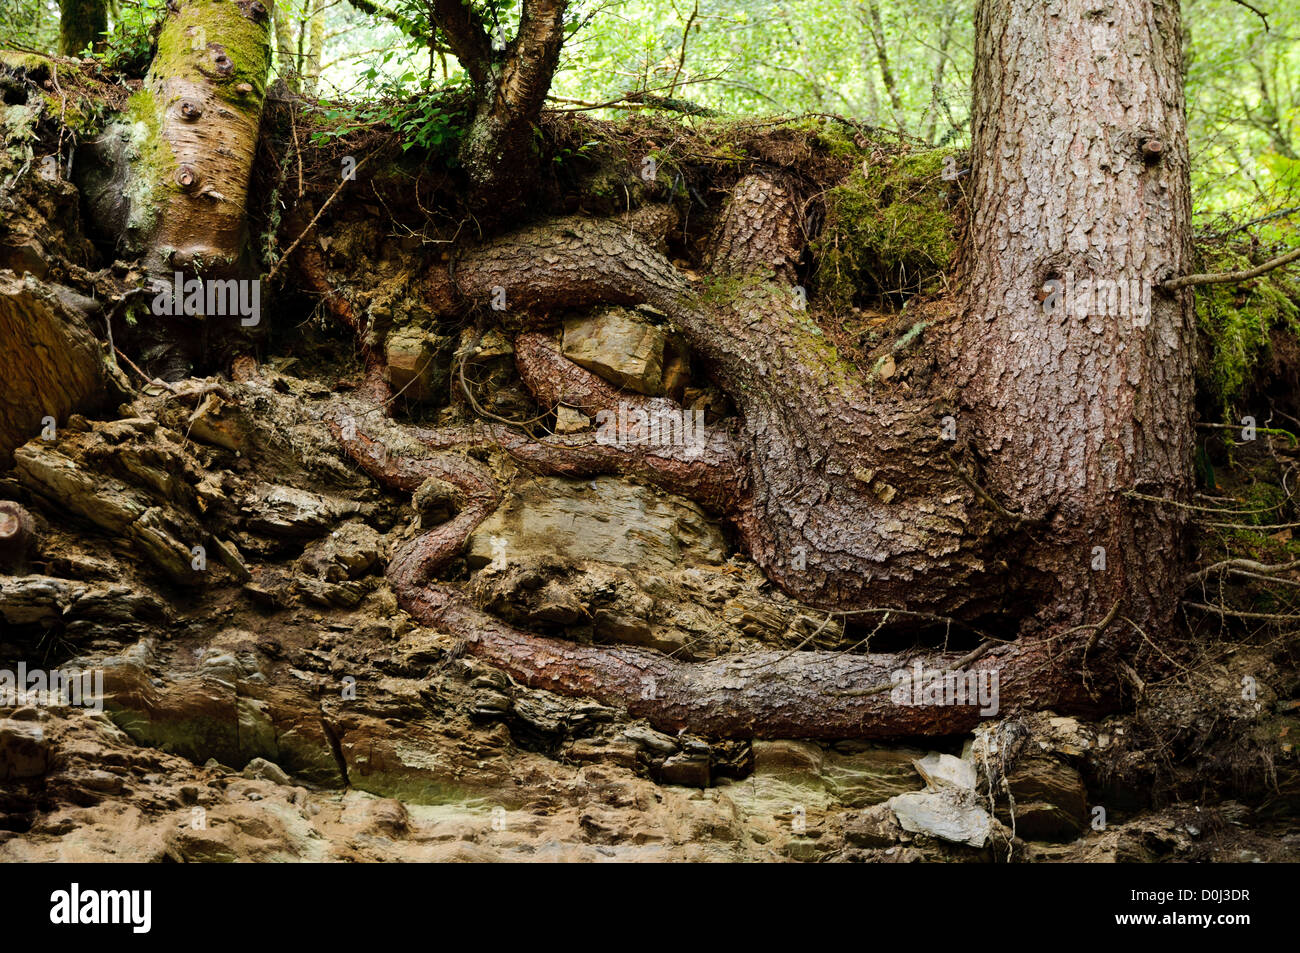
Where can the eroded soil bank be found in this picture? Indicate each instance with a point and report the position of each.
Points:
(201, 537)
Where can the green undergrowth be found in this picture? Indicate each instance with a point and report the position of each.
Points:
(431, 121)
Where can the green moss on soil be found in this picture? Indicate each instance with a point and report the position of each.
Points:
(890, 229)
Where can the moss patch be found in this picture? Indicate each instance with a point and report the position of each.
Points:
(890, 230)
(747, 293)
(152, 157)
(201, 28)
(1236, 322)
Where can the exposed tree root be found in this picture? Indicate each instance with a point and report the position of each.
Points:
(811, 694)
(762, 694)
(847, 497)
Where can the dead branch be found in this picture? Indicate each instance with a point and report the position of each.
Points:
(1227, 277)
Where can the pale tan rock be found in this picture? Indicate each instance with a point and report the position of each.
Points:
(605, 520)
(24, 750)
(417, 362)
(568, 420)
(619, 346)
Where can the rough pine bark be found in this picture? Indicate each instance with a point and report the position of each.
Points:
(1076, 393)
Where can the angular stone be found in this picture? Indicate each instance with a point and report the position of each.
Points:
(167, 538)
(690, 769)
(220, 423)
(109, 504)
(651, 741)
(1051, 802)
(349, 552)
(870, 774)
(1047, 789)
(389, 818)
(163, 534)
(551, 715)
(788, 756)
(342, 595)
(418, 363)
(604, 520)
(231, 558)
(260, 768)
(944, 815)
(619, 346)
(24, 750)
(286, 511)
(943, 770)
(621, 753)
(875, 827)
(568, 420)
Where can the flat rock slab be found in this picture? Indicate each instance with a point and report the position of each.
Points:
(943, 770)
(602, 520)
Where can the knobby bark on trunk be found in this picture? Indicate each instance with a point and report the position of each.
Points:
(177, 167)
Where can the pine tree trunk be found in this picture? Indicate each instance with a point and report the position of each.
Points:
(1077, 372)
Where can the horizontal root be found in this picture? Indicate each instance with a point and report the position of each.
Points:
(821, 695)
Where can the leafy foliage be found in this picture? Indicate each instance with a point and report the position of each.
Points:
(133, 38)
(431, 118)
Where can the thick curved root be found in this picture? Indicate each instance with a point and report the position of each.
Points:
(775, 694)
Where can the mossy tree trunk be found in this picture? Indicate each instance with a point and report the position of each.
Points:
(82, 23)
(315, 30)
(286, 66)
(182, 159)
